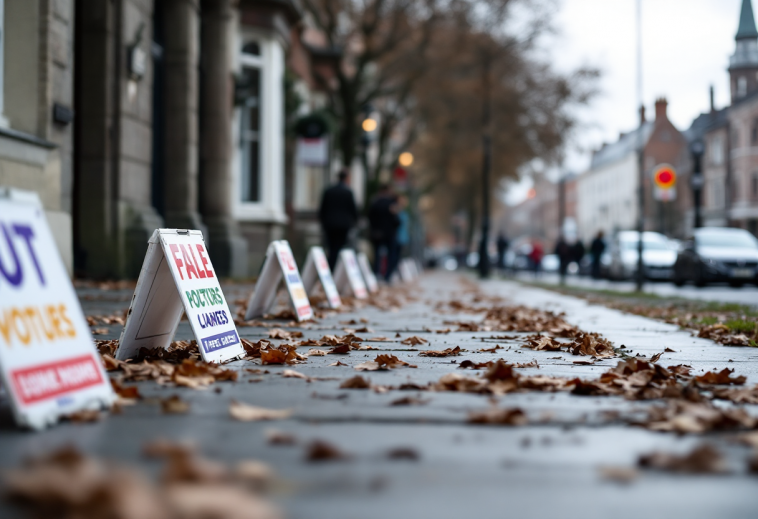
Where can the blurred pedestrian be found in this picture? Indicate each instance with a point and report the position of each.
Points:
(535, 256)
(597, 248)
(563, 251)
(402, 237)
(502, 249)
(337, 214)
(577, 253)
(383, 223)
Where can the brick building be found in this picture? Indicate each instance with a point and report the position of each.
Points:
(730, 136)
(607, 193)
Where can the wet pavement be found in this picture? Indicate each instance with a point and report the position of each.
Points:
(548, 468)
(718, 292)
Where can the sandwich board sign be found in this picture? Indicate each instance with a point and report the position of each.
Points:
(177, 277)
(347, 275)
(368, 274)
(406, 274)
(49, 366)
(279, 263)
(317, 269)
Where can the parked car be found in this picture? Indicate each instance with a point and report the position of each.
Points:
(658, 255)
(718, 254)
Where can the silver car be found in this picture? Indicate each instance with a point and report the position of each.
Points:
(658, 256)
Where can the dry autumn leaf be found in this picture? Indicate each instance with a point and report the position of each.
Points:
(356, 382)
(414, 341)
(249, 413)
(320, 451)
(704, 459)
(722, 377)
(174, 405)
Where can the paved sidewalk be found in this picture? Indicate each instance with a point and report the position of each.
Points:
(719, 293)
(549, 468)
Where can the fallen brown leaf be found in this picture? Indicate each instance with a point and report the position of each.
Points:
(248, 413)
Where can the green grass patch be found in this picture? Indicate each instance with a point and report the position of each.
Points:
(741, 325)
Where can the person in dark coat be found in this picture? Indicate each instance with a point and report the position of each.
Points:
(502, 249)
(596, 251)
(563, 251)
(383, 224)
(337, 214)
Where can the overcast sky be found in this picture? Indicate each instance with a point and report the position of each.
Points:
(686, 48)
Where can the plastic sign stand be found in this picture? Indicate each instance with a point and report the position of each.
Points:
(177, 277)
(406, 274)
(347, 275)
(279, 263)
(368, 274)
(49, 366)
(317, 269)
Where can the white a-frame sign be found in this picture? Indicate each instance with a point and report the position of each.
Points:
(177, 276)
(279, 263)
(368, 274)
(317, 269)
(347, 275)
(48, 362)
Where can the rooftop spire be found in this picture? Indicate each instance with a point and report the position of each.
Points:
(747, 29)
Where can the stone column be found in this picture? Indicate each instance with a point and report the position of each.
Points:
(181, 55)
(227, 247)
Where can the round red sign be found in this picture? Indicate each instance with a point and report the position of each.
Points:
(665, 176)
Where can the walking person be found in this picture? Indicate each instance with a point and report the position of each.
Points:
(596, 251)
(383, 223)
(337, 214)
(502, 249)
(402, 237)
(563, 251)
(535, 257)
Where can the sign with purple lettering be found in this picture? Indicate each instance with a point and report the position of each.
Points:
(279, 264)
(177, 276)
(48, 362)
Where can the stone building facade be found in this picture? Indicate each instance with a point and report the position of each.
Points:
(36, 102)
(141, 114)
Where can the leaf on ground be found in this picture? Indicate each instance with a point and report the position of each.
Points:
(704, 459)
(403, 453)
(338, 363)
(383, 362)
(249, 413)
(321, 451)
(441, 353)
(499, 416)
(622, 475)
(277, 437)
(174, 405)
(409, 400)
(291, 373)
(491, 350)
(722, 377)
(542, 343)
(414, 340)
(278, 333)
(356, 382)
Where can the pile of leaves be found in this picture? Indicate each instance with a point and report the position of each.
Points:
(587, 344)
(67, 483)
(725, 323)
(179, 365)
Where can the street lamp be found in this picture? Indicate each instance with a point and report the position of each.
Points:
(696, 182)
(369, 124)
(405, 159)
